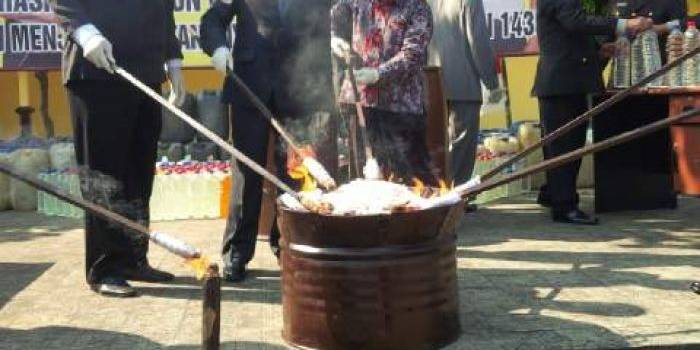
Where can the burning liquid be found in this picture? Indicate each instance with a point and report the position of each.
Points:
(376, 197)
(199, 265)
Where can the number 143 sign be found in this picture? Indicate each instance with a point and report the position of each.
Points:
(511, 23)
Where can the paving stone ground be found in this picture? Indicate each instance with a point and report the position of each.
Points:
(525, 283)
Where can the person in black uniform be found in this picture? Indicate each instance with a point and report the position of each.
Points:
(282, 52)
(116, 127)
(569, 69)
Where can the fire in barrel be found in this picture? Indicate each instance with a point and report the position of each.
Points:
(378, 273)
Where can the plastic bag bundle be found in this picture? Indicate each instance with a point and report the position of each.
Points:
(62, 156)
(29, 161)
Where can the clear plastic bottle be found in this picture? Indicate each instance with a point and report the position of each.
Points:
(51, 201)
(41, 197)
(622, 70)
(674, 50)
(651, 54)
(636, 60)
(690, 67)
(74, 188)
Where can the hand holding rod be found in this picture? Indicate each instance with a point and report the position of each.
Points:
(580, 153)
(371, 169)
(591, 113)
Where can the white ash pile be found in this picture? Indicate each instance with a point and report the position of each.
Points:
(373, 197)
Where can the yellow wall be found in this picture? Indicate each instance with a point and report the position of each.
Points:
(58, 107)
(521, 78)
(693, 7)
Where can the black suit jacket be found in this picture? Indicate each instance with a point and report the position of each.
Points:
(284, 58)
(142, 34)
(569, 63)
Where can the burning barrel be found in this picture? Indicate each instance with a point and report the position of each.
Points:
(370, 282)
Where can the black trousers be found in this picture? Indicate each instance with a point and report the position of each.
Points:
(116, 130)
(561, 182)
(251, 135)
(399, 144)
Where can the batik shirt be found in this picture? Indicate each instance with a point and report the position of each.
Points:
(391, 36)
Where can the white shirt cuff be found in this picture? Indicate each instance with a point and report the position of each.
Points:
(175, 63)
(673, 24)
(84, 33)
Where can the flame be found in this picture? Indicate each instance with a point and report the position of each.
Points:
(297, 170)
(199, 265)
(418, 186)
(301, 174)
(444, 189)
(390, 178)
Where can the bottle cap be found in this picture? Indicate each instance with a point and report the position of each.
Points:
(691, 24)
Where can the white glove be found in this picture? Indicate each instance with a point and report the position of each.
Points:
(96, 48)
(495, 96)
(222, 60)
(367, 76)
(340, 47)
(177, 82)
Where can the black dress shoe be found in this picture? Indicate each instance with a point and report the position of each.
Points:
(146, 273)
(695, 287)
(470, 208)
(575, 217)
(235, 274)
(113, 287)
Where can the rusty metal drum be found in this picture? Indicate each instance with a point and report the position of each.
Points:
(370, 282)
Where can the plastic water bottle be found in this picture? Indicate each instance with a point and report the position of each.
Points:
(651, 54)
(690, 43)
(41, 197)
(74, 188)
(156, 202)
(622, 70)
(674, 50)
(51, 201)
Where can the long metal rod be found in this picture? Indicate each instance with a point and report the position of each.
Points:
(171, 244)
(208, 133)
(361, 120)
(266, 112)
(549, 138)
(580, 153)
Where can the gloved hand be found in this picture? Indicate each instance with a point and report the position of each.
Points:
(222, 60)
(96, 48)
(637, 25)
(495, 96)
(367, 76)
(340, 47)
(177, 82)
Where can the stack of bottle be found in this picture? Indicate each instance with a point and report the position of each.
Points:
(645, 57)
(189, 190)
(66, 180)
(690, 67)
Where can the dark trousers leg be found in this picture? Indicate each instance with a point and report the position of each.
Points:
(399, 143)
(561, 182)
(116, 131)
(464, 138)
(250, 136)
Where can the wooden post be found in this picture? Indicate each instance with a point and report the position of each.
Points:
(211, 310)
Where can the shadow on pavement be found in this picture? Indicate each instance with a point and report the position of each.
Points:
(24, 226)
(261, 286)
(15, 277)
(79, 338)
